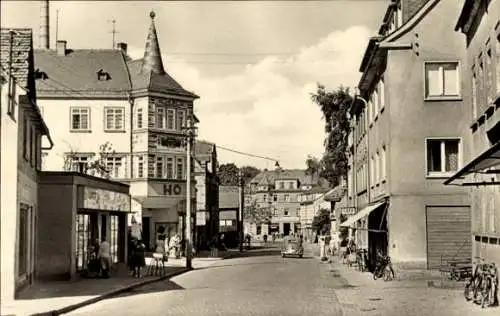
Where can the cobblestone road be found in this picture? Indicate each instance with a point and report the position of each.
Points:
(265, 284)
(256, 285)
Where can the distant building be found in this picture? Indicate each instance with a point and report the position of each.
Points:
(94, 97)
(207, 191)
(22, 130)
(311, 202)
(408, 136)
(479, 21)
(229, 204)
(276, 193)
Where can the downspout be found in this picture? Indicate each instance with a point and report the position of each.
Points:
(131, 103)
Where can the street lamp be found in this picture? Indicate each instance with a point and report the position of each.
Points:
(190, 133)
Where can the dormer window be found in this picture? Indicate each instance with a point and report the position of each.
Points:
(102, 75)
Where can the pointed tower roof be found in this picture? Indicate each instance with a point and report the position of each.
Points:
(152, 57)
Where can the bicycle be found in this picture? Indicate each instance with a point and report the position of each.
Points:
(489, 286)
(383, 269)
(473, 283)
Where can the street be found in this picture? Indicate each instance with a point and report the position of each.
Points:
(263, 283)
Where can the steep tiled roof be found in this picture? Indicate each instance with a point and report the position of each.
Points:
(152, 56)
(268, 177)
(228, 197)
(75, 73)
(21, 50)
(336, 194)
(154, 82)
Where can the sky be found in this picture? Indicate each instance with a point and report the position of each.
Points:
(254, 64)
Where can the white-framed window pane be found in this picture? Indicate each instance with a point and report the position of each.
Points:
(451, 155)
(160, 117)
(140, 167)
(383, 164)
(450, 77)
(170, 119)
(433, 80)
(434, 156)
(382, 93)
(181, 119)
(159, 167)
(80, 118)
(170, 168)
(119, 119)
(114, 166)
(139, 118)
(180, 168)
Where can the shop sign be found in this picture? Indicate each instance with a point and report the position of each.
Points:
(201, 218)
(174, 189)
(99, 199)
(348, 211)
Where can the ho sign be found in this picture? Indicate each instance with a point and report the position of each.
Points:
(172, 189)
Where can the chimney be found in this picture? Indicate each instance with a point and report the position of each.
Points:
(44, 25)
(61, 48)
(123, 47)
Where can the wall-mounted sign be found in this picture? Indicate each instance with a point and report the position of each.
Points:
(174, 189)
(201, 218)
(348, 210)
(99, 199)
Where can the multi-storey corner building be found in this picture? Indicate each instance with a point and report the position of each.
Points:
(207, 191)
(480, 22)
(408, 136)
(22, 129)
(277, 193)
(127, 115)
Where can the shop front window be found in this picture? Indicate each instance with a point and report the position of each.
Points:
(83, 237)
(113, 240)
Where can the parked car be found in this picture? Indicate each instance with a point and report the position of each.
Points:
(292, 247)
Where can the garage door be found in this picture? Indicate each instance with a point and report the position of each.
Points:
(448, 235)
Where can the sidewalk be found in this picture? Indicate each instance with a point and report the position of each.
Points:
(55, 298)
(406, 296)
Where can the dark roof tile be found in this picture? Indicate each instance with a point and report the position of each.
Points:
(21, 49)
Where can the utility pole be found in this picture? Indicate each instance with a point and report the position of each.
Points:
(57, 26)
(114, 31)
(241, 205)
(190, 133)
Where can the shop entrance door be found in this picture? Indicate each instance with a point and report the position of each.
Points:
(286, 229)
(87, 233)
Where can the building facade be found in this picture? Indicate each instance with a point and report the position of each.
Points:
(207, 192)
(479, 21)
(276, 193)
(122, 119)
(229, 205)
(22, 129)
(311, 202)
(412, 72)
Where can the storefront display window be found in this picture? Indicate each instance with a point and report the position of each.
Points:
(83, 237)
(113, 240)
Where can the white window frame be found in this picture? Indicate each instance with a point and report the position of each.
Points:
(474, 91)
(178, 119)
(381, 91)
(170, 162)
(116, 113)
(77, 159)
(116, 168)
(170, 111)
(372, 171)
(139, 123)
(383, 162)
(443, 96)
(161, 118)
(159, 160)
(77, 110)
(140, 167)
(179, 174)
(443, 174)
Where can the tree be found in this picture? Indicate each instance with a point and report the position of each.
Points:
(335, 106)
(96, 166)
(313, 166)
(321, 222)
(252, 214)
(228, 174)
(249, 172)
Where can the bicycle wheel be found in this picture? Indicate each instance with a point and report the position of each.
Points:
(468, 291)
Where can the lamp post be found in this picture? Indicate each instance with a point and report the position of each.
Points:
(241, 205)
(190, 133)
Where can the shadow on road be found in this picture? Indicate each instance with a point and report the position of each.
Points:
(167, 285)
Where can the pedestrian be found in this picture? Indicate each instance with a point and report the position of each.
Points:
(140, 258)
(223, 245)
(105, 257)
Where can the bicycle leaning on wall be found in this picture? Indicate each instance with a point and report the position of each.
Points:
(482, 286)
(383, 268)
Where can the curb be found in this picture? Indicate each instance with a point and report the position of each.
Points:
(110, 294)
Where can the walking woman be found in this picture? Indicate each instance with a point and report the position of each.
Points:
(139, 260)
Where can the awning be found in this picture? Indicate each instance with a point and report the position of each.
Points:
(359, 215)
(158, 201)
(489, 158)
